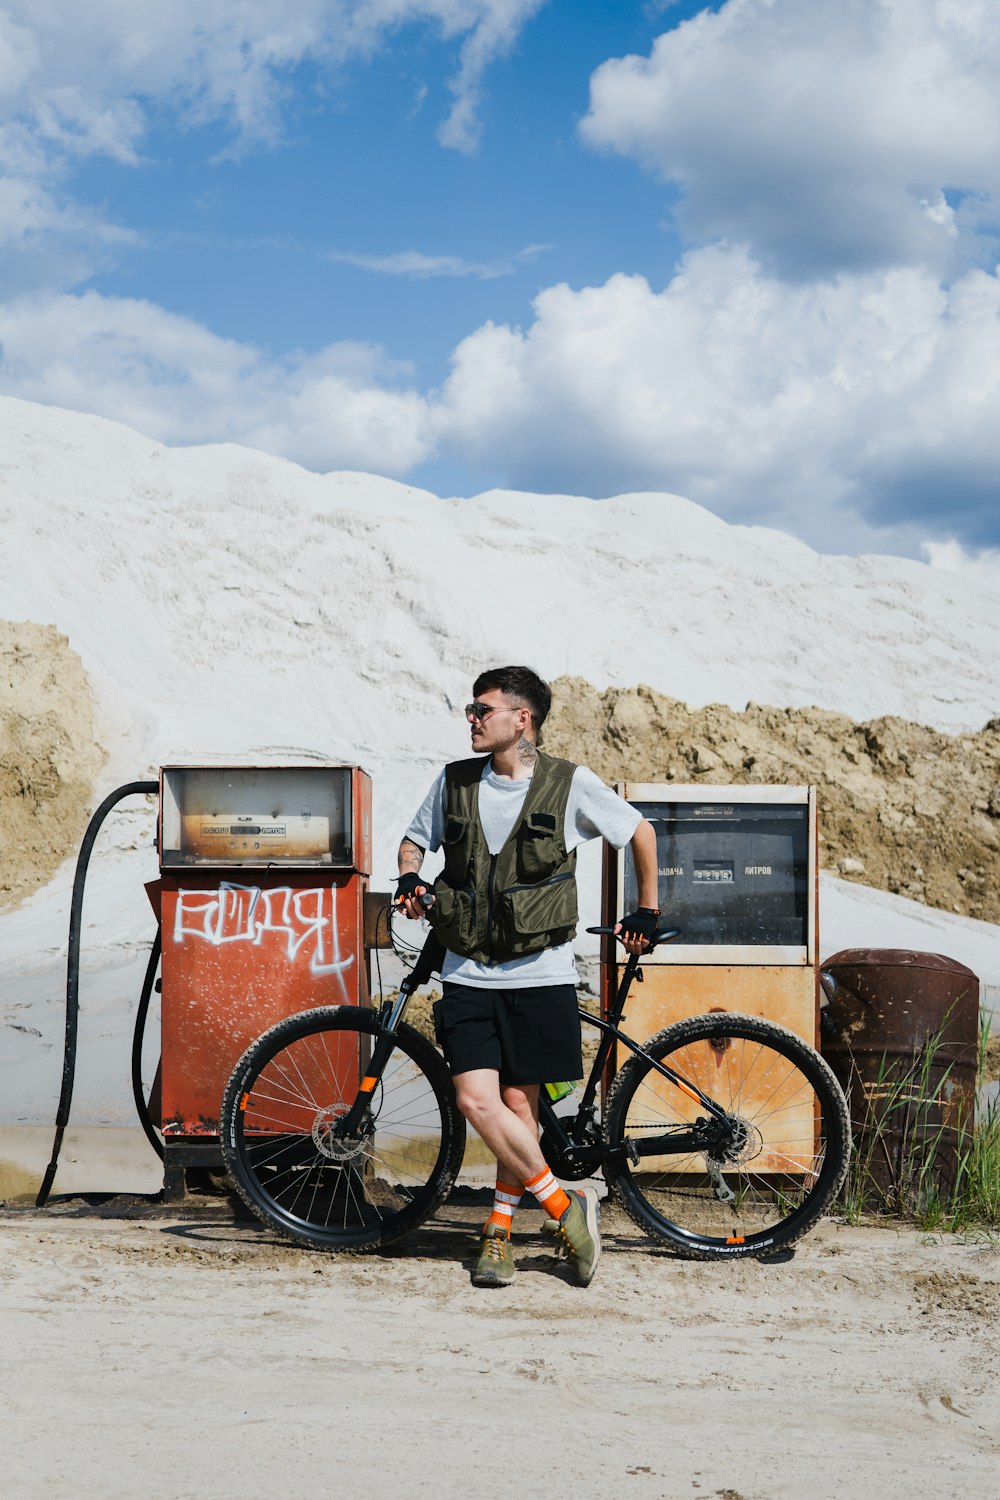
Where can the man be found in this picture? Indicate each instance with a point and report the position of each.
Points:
(510, 820)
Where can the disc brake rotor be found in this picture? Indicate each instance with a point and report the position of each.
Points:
(745, 1142)
(336, 1147)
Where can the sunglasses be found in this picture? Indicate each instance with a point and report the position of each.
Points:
(482, 711)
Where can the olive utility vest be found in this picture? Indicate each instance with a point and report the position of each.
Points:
(495, 907)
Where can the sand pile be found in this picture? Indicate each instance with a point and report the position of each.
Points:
(48, 756)
(902, 807)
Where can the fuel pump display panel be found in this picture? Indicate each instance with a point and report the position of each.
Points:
(737, 875)
(273, 815)
(734, 874)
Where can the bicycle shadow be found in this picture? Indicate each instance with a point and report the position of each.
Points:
(453, 1235)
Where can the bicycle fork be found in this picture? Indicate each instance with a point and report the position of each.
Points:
(355, 1122)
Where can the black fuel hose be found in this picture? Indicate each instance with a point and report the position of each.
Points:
(141, 1106)
(131, 789)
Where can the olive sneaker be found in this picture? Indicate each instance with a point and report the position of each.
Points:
(579, 1235)
(495, 1266)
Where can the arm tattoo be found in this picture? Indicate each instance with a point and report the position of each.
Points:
(410, 857)
(527, 752)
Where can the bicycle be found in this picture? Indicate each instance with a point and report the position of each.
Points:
(725, 1134)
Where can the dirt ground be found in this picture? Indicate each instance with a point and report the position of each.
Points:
(196, 1355)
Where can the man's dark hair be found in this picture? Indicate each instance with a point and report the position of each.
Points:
(520, 683)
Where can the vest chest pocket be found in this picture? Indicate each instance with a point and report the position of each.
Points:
(453, 916)
(455, 844)
(531, 917)
(540, 849)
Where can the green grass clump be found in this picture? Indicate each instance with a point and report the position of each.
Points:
(915, 1156)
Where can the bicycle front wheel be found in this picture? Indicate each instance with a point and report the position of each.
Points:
(280, 1142)
(772, 1170)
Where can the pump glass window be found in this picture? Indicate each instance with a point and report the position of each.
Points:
(262, 816)
(730, 873)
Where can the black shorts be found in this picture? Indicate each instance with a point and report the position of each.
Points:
(526, 1035)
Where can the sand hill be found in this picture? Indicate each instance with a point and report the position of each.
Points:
(903, 807)
(48, 756)
(227, 605)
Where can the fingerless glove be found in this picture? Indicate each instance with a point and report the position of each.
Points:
(408, 885)
(639, 923)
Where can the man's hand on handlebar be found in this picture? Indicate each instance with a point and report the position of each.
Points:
(636, 928)
(412, 896)
(637, 945)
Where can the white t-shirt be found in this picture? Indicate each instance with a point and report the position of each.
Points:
(593, 811)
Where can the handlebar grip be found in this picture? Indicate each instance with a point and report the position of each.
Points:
(661, 935)
(425, 899)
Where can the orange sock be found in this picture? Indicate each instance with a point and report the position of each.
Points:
(506, 1197)
(549, 1194)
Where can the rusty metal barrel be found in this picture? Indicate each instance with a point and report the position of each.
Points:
(900, 1030)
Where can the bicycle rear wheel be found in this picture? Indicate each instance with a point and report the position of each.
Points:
(279, 1141)
(777, 1165)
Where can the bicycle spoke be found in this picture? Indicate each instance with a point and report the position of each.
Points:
(283, 1149)
(765, 1172)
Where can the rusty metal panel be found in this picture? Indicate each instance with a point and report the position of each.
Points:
(785, 994)
(362, 801)
(237, 957)
(901, 1031)
(378, 907)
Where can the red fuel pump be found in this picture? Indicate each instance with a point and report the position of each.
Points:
(264, 872)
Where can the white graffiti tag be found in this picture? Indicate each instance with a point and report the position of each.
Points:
(244, 913)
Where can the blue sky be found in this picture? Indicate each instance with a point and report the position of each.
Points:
(745, 252)
(357, 170)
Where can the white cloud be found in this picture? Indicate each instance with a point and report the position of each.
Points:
(415, 264)
(858, 413)
(827, 134)
(983, 564)
(82, 80)
(834, 408)
(495, 35)
(47, 240)
(346, 406)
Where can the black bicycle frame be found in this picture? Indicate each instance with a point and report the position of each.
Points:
(675, 1140)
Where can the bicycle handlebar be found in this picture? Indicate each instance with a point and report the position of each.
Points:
(425, 899)
(661, 935)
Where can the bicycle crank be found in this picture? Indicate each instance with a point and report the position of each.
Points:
(573, 1162)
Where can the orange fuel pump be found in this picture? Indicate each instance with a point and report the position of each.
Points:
(738, 875)
(264, 872)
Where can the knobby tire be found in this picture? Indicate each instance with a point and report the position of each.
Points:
(280, 1147)
(797, 1137)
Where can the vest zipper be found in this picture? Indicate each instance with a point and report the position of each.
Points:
(533, 885)
(489, 908)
